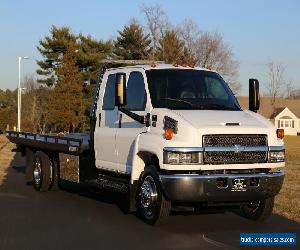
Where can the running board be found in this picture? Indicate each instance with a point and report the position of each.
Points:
(108, 182)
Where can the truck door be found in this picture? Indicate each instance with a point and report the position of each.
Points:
(129, 128)
(105, 129)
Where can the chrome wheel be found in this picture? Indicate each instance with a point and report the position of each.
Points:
(37, 171)
(148, 195)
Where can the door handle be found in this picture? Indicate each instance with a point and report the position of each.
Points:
(120, 121)
(99, 122)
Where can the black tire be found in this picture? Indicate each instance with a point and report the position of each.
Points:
(41, 172)
(154, 211)
(259, 210)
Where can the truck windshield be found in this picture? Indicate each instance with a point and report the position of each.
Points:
(185, 89)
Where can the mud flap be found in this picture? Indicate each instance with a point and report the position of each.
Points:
(29, 165)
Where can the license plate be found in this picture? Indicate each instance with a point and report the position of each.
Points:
(238, 185)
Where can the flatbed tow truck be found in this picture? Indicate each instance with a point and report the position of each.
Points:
(165, 135)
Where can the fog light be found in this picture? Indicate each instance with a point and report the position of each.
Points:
(254, 182)
(221, 182)
(276, 170)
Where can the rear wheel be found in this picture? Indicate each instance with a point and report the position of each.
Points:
(42, 171)
(152, 206)
(259, 210)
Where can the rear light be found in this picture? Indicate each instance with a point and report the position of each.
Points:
(175, 65)
(153, 65)
(183, 65)
(280, 133)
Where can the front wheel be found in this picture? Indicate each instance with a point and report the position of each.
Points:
(259, 210)
(152, 206)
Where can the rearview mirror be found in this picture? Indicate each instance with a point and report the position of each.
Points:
(254, 99)
(120, 95)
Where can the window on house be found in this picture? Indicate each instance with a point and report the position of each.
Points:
(286, 124)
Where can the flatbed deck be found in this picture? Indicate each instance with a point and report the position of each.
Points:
(74, 143)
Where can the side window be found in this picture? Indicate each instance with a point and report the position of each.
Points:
(109, 95)
(135, 93)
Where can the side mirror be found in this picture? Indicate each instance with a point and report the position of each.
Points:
(120, 95)
(254, 99)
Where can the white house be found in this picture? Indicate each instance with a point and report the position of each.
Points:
(287, 119)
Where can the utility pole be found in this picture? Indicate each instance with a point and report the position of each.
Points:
(20, 92)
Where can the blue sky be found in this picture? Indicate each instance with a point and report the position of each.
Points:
(257, 31)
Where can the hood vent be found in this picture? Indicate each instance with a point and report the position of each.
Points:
(232, 124)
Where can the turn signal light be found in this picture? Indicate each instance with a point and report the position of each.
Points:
(168, 135)
(280, 133)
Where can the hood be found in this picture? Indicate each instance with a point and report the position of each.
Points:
(221, 118)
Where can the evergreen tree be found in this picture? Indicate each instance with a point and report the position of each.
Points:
(132, 43)
(66, 109)
(171, 48)
(90, 53)
(52, 49)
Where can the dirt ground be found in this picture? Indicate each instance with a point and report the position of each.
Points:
(6, 156)
(287, 203)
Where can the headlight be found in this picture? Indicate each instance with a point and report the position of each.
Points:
(177, 157)
(276, 156)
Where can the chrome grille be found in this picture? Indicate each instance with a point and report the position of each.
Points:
(225, 157)
(231, 140)
(236, 155)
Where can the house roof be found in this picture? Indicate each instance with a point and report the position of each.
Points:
(266, 108)
(276, 112)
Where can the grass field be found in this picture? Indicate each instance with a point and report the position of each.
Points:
(287, 203)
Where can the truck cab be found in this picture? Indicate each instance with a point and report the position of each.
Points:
(182, 137)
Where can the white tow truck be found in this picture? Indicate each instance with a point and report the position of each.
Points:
(166, 135)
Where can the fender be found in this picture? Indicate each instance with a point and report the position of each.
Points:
(146, 144)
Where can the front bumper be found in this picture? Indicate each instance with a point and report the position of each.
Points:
(205, 188)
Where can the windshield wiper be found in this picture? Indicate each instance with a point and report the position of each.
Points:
(182, 101)
(217, 106)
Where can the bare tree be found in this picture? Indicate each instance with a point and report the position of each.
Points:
(212, 52)
(157, 22)
(189, 33)
(290, 90)
(205, 49)
(34, 105)
(275, 80)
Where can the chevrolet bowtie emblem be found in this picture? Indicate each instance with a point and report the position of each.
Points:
(238, 148)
